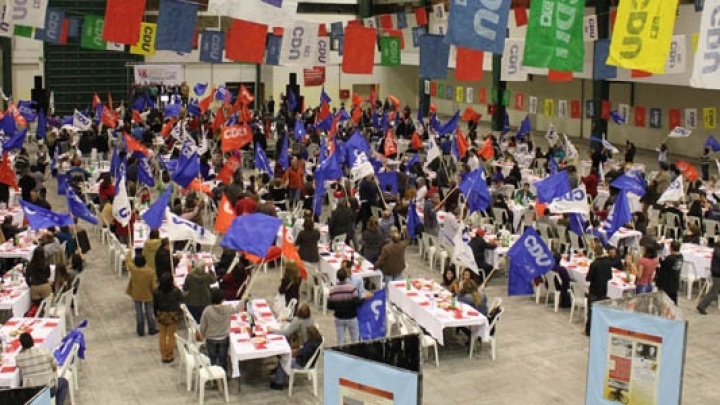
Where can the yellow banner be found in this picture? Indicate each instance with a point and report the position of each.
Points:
(695, 39)
(146, 44)
(642, 35)
(549, 107)
(710, 117)
(459, 94)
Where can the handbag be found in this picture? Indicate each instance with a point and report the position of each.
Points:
(279, 303)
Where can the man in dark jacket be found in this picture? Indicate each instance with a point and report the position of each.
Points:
(667, 277)
(392, 258)
(708, 298)
(163, 261)
(342, 221)
(479, 246)
(599, 274)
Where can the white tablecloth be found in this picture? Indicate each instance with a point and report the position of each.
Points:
(330, 263)
(416, 304)
(699, 256)
(183, 267)
(141, 232)
(15, 212)
(45, 332)
(24, 251)
(578, 267)
(243, 348)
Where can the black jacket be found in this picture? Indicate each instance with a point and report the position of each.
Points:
(715, 265)
(342, 221)
(599, 274)
(168, 301)
(667, 277)
(162, 262)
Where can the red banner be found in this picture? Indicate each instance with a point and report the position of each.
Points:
(482, 95)
(245, 41)
(314, 76)
(640, 113)
(674, 118)
(558, 76)
(575, 109)
(519, 101)
(236, 137)
(469, 65)
(227, 171)
(421, 16)
(386, 21)
(359, 52)
(433, 89)
(122, 21)
(605, 109)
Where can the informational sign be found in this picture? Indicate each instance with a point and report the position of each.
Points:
(314, 76)
(171, 75)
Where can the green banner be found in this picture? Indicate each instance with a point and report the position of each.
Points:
(441, 90)
(390, 51)
(554, 37)
(23, 31)
(494, 92)
(92, 33)
(506, 98)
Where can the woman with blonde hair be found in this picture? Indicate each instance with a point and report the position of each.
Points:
(290, 283)
(471, 295)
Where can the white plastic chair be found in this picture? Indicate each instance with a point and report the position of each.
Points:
(207, 373)
(75, 299)
(689, 276)
(407, 326)
(288, 311)
(69, 371)
(187, 361)
(310, 370)
(191, 325)
(551, 278)
(322, 292)
(539, 288)
(578, 299)
(62, 310)
(493, 336)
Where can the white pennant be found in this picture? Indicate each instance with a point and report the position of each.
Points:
(181, 229)
(574, 201)
(674, 192)
(121, 209)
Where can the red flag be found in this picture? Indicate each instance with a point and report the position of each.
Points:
(359, 52)
(469, 64)
(487, 151)
(433, 89)
(575, 109)
(230, 167)
(674, 117)
(110, 118)
(416, 142)
(356, 115)
(235, 137)
(372, 97)
(357, 100)
(289, 250)
(390, 146)
(220, 119)
(168, 127)
(110, 102)
(324, 110)
(205, 103)
(245, 115)
(521, 18)
(639, 116)
(96, 100)
(421, 16)
(133, 145)
(386, 21)
(245, 41)
(558, 76)
(7, 174)
(322, 30)
(279, 31)
(245, 96)
(333, 129)
(470, 115)
(462, 143)
(225, 215)
(122, 21)
(687, 170)
(433, 108)
(482, 96)
(395, 101)
(519, 101)
(137, 117)
(605, 108)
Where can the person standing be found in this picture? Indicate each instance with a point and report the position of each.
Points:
(141, 288)
(599, 274)
(215, 328)
(39, 368)
(197, 286)
(629, 152)
(166, 301)
(392, 258)
(293, 179)
(290, 283)
(715, 288)
(342, 221)
(344, 299)
(667, 278)
(662, 151)
(369, 197)
(705, 164)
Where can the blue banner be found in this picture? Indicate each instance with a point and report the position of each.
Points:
(155, 215)
(480, 25)
(252, 233)
(17, 140)
(601, 70)
(176, 26)
(529, 258)
(284, 157)
(355, 145)
(619, 216)
(371, 316)
(52, 33)
(188, 169)
(78, 207)
(712, 144)
(388, 181)
(631, 182)
(655, 118)
(272, 51)
(401, 20)
(42, 218)
(212, 46)
(261, 160)
(145, 173)
(552, 187)
(336, 29)
(434, 55)
(474, 188)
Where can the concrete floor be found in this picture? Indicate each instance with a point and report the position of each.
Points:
(541, 357)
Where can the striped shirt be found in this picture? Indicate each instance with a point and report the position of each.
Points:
(343, 298)
(37, 367)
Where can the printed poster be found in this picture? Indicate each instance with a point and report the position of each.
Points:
(633, 367)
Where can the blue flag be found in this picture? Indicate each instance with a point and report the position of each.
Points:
(343, 114)
(325, 124)
(712, 144)
(78, 208)
(200, 88)
(401, 18)
(336, 29)
(138, 104)
(212, 47)
(619, 216)
(376, 120)
(16, 141)
(355, 145)
(272, 50)
(41, 131)
(176, 26)
(145, 174)
(300, 131)
(435, 123)
(451, 125)
(172, 110)
(577, 223)
(617, 117)
(330, 168)
(318, 193)
(62, 185)
(474, 187)
(479, 25)
(42, 218)
(371, 316)
(193, 108)
(284, 156)
(417, 33)
(74, 337)
(631, 182)
(506, 123)
(552, 187)
(155, 215)
(221, 93)
(434, 55)
(292, 101)
(413, 159)
(524, 128)
(324, 98)
(115, 163)
(601, 70)
(98, 112)
(388, 180)
(7, 124)
(529, 258)
(27, 110)
(261, 160)
(413, 220)
(188, 168)
(252, 233)
(552, 165)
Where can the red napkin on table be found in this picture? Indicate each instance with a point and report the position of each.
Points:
(11, 322)
(260, 346)
(38, 340)
(458, 314)
(261, 305)
(425, 304)
(243, 340)
(51, 324)
(473, 313)
(277, 337)
(614, 283)
(235, 330)
(332, 260)
(708, 256)
(8, 369)
(14, 345)
(266, 314)
(399, 283)
(233, 317)
(412, 294)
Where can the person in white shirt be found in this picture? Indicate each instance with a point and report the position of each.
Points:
(473, 161)
(421, 192)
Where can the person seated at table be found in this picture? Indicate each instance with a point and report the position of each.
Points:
(63, 279)
(38, 367)
(673, 209)
(37, 276)
(471, 295)
(499, 201)
(629, 265)
(564, 285)
(392, 258)
(300, 357)
(479, 246)
(372, 241)
(9, 229)
(449, 280)
(524, 196)
(613, 257)
(197, 288)
(290, 283)
(65, 235)
(646, 267)
(214, 327)
(296, 330)
(468, 275)
(692, 235)
(344, 299)
(515, 176)
(49, 243)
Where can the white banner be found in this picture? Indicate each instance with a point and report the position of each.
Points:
(323, 51)
(370, 22)
(121, 209)
(678, 55)
(463, 254)
(275, 13)
(706, 72)
(299, 44)
(574, 201)
(182, 229)
(27, 13)
(469, 95)
(624, 111)
(512, 69)
(551, 135)
(679, 132)
(691, 118)
(590, 28)
(81, 121)
(6, 25)
(562, 108)
(532, 105)
(674, 192)
(362, 167)
(439, 12)
(171, 75)
(432, 152)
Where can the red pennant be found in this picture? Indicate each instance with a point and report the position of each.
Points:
(110, 118)
(359, 52)
(390, 144)
(279, 31)
(469, 64)
(487, 151)
(470, 115)
(396, 34)
(482, 95)
(322, 30)
(168, 127)
(137, 117)
(640, 114)
(205, 103)
(558, 76)
(674, 117)
(575, 109)
(110, 100)
(7, 174)
(462, 143)
(225, 214)
(386, 21)
(519, 101)
(226, 173)
(421, 16)
(395, 101)
(357, 100)
(521, 18)
(245, 41)
(639, 74)
(290, 251)
(605, 109)
(372, 97)
(433, 89)
(416, 142)
(122, 21)
(245, 96)
(356, 115)
(220, 119)
(433, 108)
(96, 100)
(236, 137)
(133, 145)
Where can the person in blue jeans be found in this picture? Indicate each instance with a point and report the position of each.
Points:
(141, 288)
(344, 299)
(301, 357)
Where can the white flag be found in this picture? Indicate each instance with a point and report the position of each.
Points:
(81, 121)
(571, 152)
(275, 13)
(572, 201)
(607, 145)
(121, 209)
(678, 55)
(674, 192)
(182, 229)
(299, 44)
(6, 25)
(706, 69)
(511, 67)
(691, 118)
(362, 167)
(432, 152)
(679, 132)
(562, 108)
(590, 28)
(463, 254)
(532, 105)
(551, 135)
(27, 13)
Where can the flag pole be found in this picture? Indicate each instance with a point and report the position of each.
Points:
(253, 277)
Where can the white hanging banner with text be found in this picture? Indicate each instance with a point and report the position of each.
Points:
(171, 75)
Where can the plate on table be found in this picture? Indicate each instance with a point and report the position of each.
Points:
(258, 340)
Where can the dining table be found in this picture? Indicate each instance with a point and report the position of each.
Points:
(578, 266)
(331, 260)
(46, 333)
